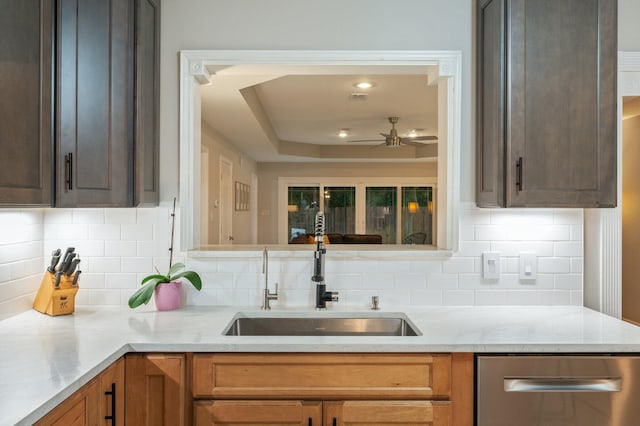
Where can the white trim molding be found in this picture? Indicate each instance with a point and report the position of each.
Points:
(603, 227)
(197, 66)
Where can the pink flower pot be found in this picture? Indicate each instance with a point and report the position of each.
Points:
(168, 296)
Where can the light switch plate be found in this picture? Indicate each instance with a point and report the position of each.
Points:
(491, 265)
(528, 266)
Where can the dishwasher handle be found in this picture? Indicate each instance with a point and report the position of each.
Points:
(562, 384)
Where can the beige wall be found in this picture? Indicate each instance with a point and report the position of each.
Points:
(631, 218)
(243, 167)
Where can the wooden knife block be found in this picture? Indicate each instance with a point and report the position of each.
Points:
(56, 301)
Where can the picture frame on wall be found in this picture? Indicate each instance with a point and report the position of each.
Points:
(242, 196)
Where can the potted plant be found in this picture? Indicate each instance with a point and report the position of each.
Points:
(167, 289)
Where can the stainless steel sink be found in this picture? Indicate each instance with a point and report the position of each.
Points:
(397, 325)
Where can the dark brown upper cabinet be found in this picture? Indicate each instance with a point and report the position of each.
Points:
(546, 103)
(26, 110)
(147, 102)
(106, 121)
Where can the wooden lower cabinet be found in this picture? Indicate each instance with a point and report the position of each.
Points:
(156, 389)
(99, 402)
(333, 389)
(385, 413)
(257, 412)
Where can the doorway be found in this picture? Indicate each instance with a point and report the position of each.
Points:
(631, 209)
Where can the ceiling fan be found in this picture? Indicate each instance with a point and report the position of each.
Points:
(392, 140)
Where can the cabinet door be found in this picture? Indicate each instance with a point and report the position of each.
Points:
(26, 110)
(155, 389)
(490, 106)
(235, 413)
(112, 394)
(94, 122)
(147, 102)
(562, 57)
(80, 409)
(385, 413)
(546, 108)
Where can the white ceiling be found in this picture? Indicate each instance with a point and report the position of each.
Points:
(287, 113)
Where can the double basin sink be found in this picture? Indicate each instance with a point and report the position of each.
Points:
(302, 325)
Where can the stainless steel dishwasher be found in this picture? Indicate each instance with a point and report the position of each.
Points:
(545, 390)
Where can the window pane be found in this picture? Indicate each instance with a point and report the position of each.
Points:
(340, 209)
(381, 212)
(302, 210)
(417, 211)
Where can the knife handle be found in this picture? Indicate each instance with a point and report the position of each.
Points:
(75, 278)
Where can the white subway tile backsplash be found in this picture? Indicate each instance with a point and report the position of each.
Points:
(458, 298)
(117, 248)
(122, 216)
(458, 265)
(137, 232)
(102, 232)
(442, 281)
(491, 297)
(87, 216)
(567, 248)
(568, 281)
(409, 280)
(554, 265)
(136, 264)
(121, 246)
(103, 264)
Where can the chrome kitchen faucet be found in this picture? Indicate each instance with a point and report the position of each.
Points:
(267, 296)
(322, 295)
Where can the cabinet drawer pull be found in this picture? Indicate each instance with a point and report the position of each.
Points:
(68, 171)
(519, 174)
(112, 392)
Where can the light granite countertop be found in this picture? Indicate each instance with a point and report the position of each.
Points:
(45, 359)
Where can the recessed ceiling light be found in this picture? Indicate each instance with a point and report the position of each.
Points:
(343, 133)
(364, 85)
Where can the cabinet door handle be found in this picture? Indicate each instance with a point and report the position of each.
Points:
(335, 422)
(112, 392)
(310, 421)
(68, 171)
(519, 174)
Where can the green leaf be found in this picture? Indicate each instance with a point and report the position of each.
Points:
(192, 277)
(175, 268)
(143, 295)
(164, 278)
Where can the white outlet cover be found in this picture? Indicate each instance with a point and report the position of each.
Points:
(491, 265)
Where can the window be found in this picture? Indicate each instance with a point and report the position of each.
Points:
(399, 213)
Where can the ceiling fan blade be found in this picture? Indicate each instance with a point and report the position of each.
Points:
(366, 140)
(385, 135)
(405, 141)
(378, 146)
(424, 138)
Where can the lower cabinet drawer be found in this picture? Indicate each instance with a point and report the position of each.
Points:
(317, 413)
(322, 376)
(383, 413)
(258, 412)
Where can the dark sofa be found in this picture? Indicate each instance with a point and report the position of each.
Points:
(340, 239)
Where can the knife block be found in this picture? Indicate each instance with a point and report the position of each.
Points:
(52, 300)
